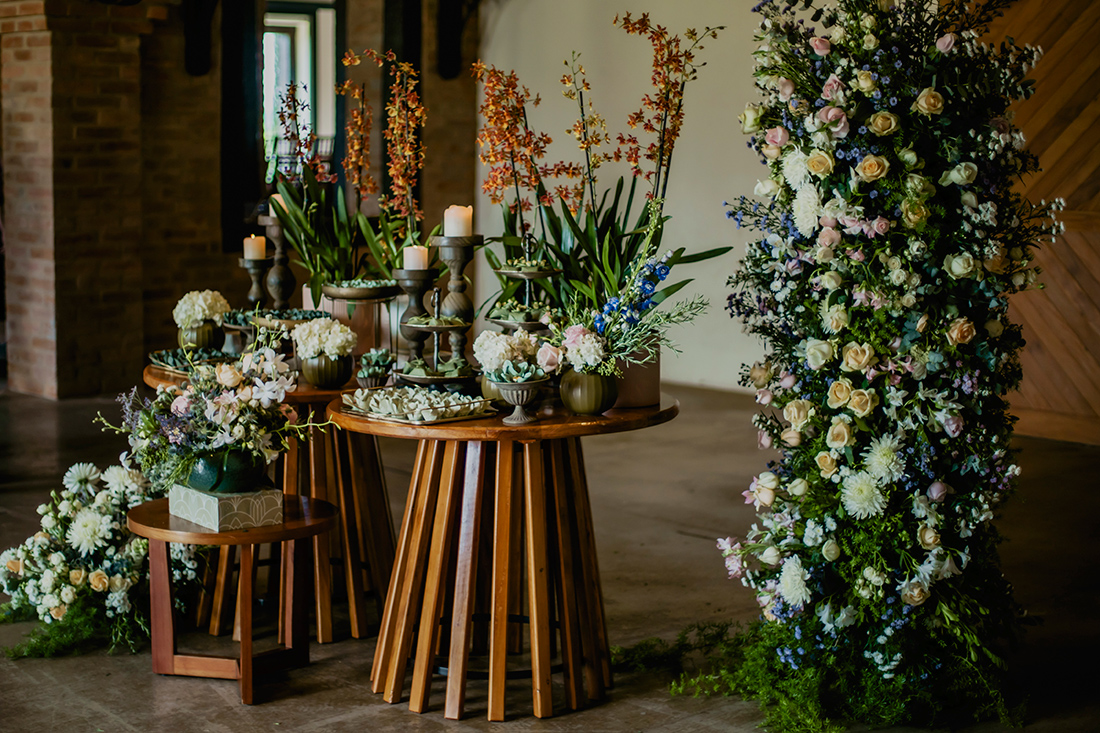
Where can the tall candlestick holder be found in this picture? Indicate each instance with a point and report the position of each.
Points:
(416, 284)
(456, 253)
(281, 282)
(256, 269)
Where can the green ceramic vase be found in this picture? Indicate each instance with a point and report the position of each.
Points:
(324, 372)
(588, 394)
(206, 335)
(229, 472)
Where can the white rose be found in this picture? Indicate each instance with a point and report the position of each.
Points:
(768, 480)
(750, 119)
(766, 187)
(770, 556)
(831, 550)
(818, 353)
(909, 157)
(798, 413)
(832, 280)
(798, 487)
(960, 266)
(962, 175)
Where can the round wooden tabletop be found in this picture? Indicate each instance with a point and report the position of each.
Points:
(554, 421)
(302, 517)
(155, 376)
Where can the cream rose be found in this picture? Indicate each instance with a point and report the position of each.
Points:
(840, 392)
(929, 102)
(760, 374)
(798, 487)
(826, 464)
(883, 123)
(770, 556)
(857, 357)
(99, 580)
(994, 328)
(798, 413)
(791, 438)
(14, 566)
(928, 537)
(818, 353)
(58, 612)
(909, 157)
(820, 163)
(771, 152)
(865, 82)
(766, 188)
(830, 550)
(961, 331)
(872, 168)
(77, 577)
(960, 266)
(117, 583)
(914, 594)
(913, 213)
(862, 402)
(870, 42)
(832, 280)
(838, 435)
(961, 175)
(835, 319)
(228, 375)
(750, 119)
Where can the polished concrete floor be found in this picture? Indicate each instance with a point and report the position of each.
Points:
(660, 498)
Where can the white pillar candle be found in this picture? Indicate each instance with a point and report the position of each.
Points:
(255, 248)
(416, 257)
(458, 221)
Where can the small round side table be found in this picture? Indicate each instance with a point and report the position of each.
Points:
(496, 502)
(304, 518)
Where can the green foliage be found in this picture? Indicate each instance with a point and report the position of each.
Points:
(84, 628)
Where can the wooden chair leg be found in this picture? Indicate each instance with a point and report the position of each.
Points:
(465, 580)
(434, 583)
(322, 562)
(567, 600)
(503, 547)
(537, 590)
(400, 642)
(396, 587)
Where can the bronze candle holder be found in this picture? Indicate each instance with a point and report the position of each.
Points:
(416, 284)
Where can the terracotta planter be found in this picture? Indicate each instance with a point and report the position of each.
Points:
(640, 385)
(229, 472)
(324, 372)
(588, 394)
(206, 335)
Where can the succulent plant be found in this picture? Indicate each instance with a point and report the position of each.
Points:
(512, 371)
(376, 363)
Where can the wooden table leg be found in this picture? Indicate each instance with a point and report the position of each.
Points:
(401, 640)
(502, 556)
(372, 509)
(465, 580)
(221, 610)
(434, 582)
(296, 621)
(244, 593)
(396, 591)
(322, 564)
(346, 489)
(537, 589)
(291, 473)
(162, 628)
(591, 573)
(567, 598)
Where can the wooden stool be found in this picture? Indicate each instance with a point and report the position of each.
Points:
(524, 488)
(304, 518)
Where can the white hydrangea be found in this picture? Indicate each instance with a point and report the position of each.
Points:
(493, 348)
(587, 352)
(323, 336)
(198, 306)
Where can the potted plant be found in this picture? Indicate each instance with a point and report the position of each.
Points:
(374, 368)
(198, 315)
(323, 347)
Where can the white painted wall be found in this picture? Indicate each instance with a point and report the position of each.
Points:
(711, 162)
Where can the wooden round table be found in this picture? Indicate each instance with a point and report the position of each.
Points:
(304, 518)
(345, 468)
(512, 500)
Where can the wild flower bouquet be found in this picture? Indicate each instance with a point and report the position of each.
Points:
(591, 235)
(83, 572)
(198, 306)
(228, 407)
(323, 336)
(891, 240)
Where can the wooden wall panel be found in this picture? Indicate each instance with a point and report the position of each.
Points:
(1060, 394)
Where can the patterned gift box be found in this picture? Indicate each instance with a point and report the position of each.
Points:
(226, 512)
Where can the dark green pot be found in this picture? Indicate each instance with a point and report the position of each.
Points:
(206, 335)
(324, 372)
(229, 472)
(588, 394)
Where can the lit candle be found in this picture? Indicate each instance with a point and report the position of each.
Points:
(416, 257)
(458, 221)
(255, 248)
(277, 198)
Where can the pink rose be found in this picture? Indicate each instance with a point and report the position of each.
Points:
(953, 426)
(827, 237)
(945, 43)
(833, 89)
(856, 255)
(181, 405)
(880, 225)
(764, 396)
(573, 335)
(777, 136)
(787, 380)
(548, 357)
(786, 89)
(763, 440)
(937, 491)
(821, 46)
(827, 221)
(835, 119)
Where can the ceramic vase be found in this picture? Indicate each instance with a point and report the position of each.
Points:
(229, 472)
(206, 335)
(588, 394)
(324, 372)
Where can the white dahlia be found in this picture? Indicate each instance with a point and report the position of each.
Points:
(792, 582)
(86, 533)
(80, 477)
(807, 209)
(862, 496)
(881, 459)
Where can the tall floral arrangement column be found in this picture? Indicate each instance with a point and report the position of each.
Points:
(890, 242)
